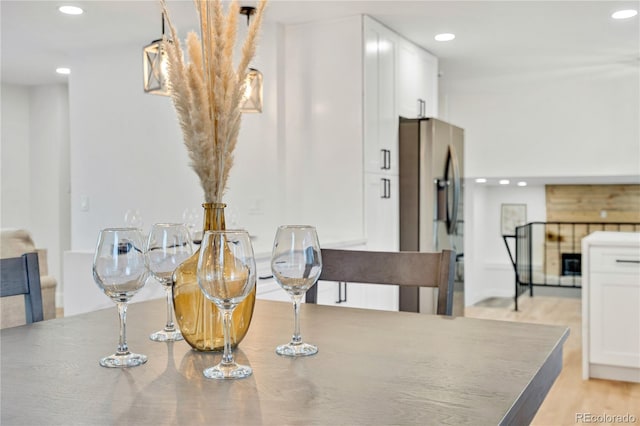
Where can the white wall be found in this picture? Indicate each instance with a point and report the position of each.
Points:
(323, 116)
(16, 176)
(49, 165)
(35, 168)
(488, 270)
(549, 122)
(546, 123)
(127, 150)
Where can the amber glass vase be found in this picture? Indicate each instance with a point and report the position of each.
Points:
(199, 319)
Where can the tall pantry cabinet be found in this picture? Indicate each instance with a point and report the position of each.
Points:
(350, 79)
(380, 151)
(380, 136)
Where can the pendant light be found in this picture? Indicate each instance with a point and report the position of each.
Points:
(252, 98)
(154, 58)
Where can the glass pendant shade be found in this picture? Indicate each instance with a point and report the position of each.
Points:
(155, 65)
(252, 98)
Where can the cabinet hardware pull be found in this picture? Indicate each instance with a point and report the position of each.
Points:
(342, 299)
(386, 159)
(386, 188)
(265, 277)
(627, 261)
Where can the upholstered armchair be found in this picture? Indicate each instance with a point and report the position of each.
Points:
(14, 243)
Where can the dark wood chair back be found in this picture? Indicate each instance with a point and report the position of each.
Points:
(21, 275)
(405, 268)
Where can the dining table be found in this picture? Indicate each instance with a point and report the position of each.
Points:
(372, 368)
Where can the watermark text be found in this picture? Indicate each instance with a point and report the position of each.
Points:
(604, 418)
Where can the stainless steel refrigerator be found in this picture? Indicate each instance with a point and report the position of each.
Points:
(431, 201)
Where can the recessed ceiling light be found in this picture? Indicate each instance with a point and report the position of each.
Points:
(481, 180)
(522, 183)
(445, 37)
(624, 14)
(63, 70)
(504, 182)
(71, 10)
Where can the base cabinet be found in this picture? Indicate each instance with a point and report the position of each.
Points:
(266, 286)
(611, 306)
(356, 295)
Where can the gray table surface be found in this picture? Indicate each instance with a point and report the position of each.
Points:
(373, 368)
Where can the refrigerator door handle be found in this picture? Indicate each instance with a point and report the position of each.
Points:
(452, 217)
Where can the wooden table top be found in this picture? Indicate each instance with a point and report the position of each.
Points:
(373, 368)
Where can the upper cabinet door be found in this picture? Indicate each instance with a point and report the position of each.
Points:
(417, 81)
(380, 112)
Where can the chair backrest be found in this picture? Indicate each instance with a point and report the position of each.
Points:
(21, 275)
(405, 268)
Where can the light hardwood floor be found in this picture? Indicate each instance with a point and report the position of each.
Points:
(570, 394)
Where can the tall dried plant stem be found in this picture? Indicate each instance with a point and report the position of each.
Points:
(207, 92)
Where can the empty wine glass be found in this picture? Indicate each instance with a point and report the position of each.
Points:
(168, 245)
(133, 219)
(120, 270)
(226, 275)
(296, 264)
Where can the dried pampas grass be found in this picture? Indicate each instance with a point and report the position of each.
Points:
(207, 91)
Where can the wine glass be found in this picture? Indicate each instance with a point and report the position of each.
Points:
(120, 270)
(226, 275)
(296, 263)
(168, 245)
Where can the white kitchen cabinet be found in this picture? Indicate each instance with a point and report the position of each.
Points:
(380, 112)
(380, 137)
(417, 94)
(266, 286)
(346, 295)
(611, 306)
(321, 150)
(341, 94)
(383, 233)
(382, 212)
(356, 295)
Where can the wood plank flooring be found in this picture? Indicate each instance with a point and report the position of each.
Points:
(570, 395)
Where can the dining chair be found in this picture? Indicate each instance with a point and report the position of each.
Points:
(405, 268)
(21, 275)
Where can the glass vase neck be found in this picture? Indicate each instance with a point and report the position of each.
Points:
(214, 216)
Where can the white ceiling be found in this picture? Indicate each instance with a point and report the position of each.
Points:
(491, 35)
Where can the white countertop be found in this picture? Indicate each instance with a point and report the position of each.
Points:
(617, 238)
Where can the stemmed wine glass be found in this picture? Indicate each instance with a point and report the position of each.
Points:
(120, 270)
(296, 263)
(168, 245)
(226, 275)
